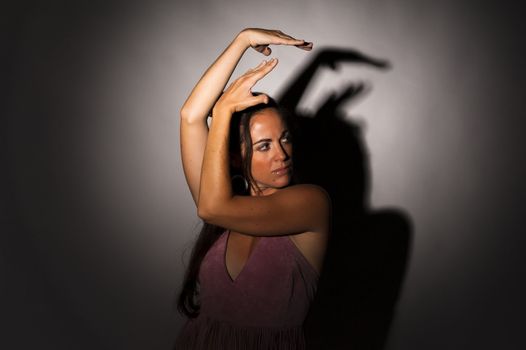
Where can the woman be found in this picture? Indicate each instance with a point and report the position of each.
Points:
(255, 265)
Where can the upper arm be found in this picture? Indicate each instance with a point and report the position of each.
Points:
(294, 209)
(193, 136)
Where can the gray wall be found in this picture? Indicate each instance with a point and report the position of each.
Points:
(96, 216)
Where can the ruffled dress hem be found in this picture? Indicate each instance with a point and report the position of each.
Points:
(204, 333)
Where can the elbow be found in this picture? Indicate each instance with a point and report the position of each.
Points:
(211, 213)
(189, 115)
(205, 213)
(185, 113)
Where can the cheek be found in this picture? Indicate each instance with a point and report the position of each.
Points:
(289, 149)
(260, 162)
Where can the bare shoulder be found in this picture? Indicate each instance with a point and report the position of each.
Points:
(309, 192)
(313, 244)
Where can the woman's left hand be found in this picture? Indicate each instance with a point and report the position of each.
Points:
(238, 96)
(260, 39)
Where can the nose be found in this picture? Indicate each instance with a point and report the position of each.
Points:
(281, 153)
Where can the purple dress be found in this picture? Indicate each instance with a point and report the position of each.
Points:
(263, 308)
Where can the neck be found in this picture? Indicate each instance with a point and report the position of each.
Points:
(265, 191)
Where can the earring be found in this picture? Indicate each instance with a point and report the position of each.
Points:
(239, 184)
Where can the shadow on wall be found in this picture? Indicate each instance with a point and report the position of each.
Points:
(368, 249)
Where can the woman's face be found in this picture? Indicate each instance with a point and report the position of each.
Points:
(271, 151)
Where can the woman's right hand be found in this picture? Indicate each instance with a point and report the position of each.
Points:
(238, 96)
(260, 39)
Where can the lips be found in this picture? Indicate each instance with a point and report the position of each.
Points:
(281, 171)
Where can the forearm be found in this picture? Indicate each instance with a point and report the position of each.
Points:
(193, 141)
(213, 81)
(193, 123)
(215, 188)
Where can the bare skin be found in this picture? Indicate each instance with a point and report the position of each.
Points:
(272, 151)
(271, 165)
(300, 211)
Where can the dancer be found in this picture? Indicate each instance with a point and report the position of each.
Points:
(254, 268)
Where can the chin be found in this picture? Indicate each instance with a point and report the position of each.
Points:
(283, 183)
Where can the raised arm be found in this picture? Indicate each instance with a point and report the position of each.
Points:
(295, 209)
(194, 113)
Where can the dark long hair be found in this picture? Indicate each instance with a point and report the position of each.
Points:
(188, 300)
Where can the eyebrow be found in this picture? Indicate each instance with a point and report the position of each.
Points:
(268, 140)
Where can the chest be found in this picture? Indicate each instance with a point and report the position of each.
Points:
(238, 250)
(235, 263)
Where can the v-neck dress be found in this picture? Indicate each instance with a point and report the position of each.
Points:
(262, 308)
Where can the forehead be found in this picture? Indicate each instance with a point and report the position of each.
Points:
(266, 123)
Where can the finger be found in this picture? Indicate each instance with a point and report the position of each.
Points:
(261, 64)
(260, 48)
(289, 38)
(284, 35)
(280, 38)
(259, 73)
(268, 65)
(250, 70)
(252, 101)
(264, 49)
(289, 41)
(305, 46)
(249, 79)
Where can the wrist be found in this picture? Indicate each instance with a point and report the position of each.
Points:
(242, 39)
(221, 112)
